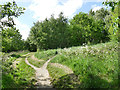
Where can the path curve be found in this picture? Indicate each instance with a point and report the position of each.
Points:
(42, 75)
(34, 58)
(18, 60)
(65, 68)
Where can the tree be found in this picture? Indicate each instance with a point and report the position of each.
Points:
(61, 32)
(37, 36)
(114, 24)
(101, 14)
(11, 40)
(29, 46)
(91, 13)
(113, 30)
(111, 3)
(8, 11)
(50, 34)
(85, 29)
(103, 19)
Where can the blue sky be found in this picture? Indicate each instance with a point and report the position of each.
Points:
(41, 9)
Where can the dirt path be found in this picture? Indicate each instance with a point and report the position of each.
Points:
(18, 60)
(65, 68)
(34, 58)
(42, 75)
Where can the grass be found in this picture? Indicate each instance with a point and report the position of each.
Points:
(60, 79)
(55, 72)
(45, 55)
(36, 62)
(20, 77)
(21, 52)
(95, 66)
(26, 74)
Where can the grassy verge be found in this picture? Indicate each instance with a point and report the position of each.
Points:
(60, 79)
(36, 62)
(96, 66)
(55, 72)
(19, 77)
(21, 52)
(45, 55)
(25, 74)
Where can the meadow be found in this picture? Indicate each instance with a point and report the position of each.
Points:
(96, 66)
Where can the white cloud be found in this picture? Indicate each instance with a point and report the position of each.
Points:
(95, 7)
(45, 8)
(3, 1)
(94, 0)
(23, 28)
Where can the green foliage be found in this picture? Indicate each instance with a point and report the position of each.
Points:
(113, 30)
(101, 14)
(11, 37)
(30, 46)
(50, 34)
(91, 13)
(9, 58)
(53, 33)
(111, 3)
(11, 40)
(8, 11)
(85, 29)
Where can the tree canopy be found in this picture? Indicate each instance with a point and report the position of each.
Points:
(11, 37)
(52, 33)
(60, 32)
(8, 11)
(84, 28)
